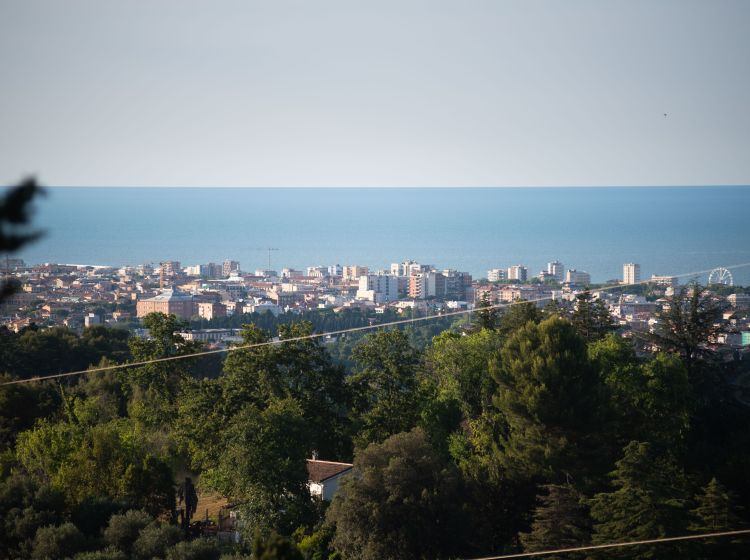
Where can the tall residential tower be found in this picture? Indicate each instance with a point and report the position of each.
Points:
(631, 273)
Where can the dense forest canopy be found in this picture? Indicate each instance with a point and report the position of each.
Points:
(526, 430)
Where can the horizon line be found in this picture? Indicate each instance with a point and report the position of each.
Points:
(375, 187)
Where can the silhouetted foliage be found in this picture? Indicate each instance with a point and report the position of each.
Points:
(15, 213)
(687, 324)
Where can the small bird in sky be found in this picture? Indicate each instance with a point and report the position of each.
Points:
(665, 115)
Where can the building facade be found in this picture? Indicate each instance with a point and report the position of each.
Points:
(230, 268)
(631, 273)
(169, 302)
(496, 274)
(556, 270)
(577, 277)
(378, 288)
(518, 272)
(666, 281)
(353, 272)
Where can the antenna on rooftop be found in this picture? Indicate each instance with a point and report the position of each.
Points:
(269, 249)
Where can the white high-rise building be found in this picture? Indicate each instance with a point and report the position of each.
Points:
(518, 272)
(496, 274)
(379, 288)
(631, 273)
(407, 268)
(556, 270)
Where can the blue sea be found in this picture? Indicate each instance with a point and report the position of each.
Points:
(668, 230)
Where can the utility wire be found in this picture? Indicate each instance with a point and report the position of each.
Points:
(616, 545)
(332, 333)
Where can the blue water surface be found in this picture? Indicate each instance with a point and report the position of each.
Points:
(668, 230)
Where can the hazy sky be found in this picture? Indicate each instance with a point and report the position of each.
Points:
(392, 93)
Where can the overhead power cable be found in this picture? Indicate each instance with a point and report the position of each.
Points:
(616, 545)
(332, 333)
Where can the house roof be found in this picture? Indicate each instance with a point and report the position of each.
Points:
(171, 295)
(319, 471)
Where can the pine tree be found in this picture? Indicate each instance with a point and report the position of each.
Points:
(517, 315)
(648, 502)
(561, 520)
(487, 315)
(591, 318)
(552, 399)
(716, 512)
(687, 324)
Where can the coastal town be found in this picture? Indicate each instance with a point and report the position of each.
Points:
(79, 296)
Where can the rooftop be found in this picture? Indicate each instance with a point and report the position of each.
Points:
(319, 471)
(171, 295)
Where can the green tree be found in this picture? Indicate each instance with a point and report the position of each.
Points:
(401, 501)
(385, 386)
(49, 351)
(25, 506)
(298, 369)
(319, 544)
(561, 520)
(552, 399)
(103, 460)
(263, 467)
(647, 502)
(667, 402)
(716, 511)
(456, 385)
(153, 388)
(61, 541)
(516, 315)
(650, 399)
(99, 342)
(499, 506)
(687, 323)
(154, 540)
(458, 367)
(275, 547)
(486, 315)
(21, 405)
(92, 514)
(198, 549)
(108, 553)
(123, 529)
(202, 415)
(591, 317)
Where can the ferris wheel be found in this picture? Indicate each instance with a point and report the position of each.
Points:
(720, 276)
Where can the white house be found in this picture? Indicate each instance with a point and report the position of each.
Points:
(324, 477)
